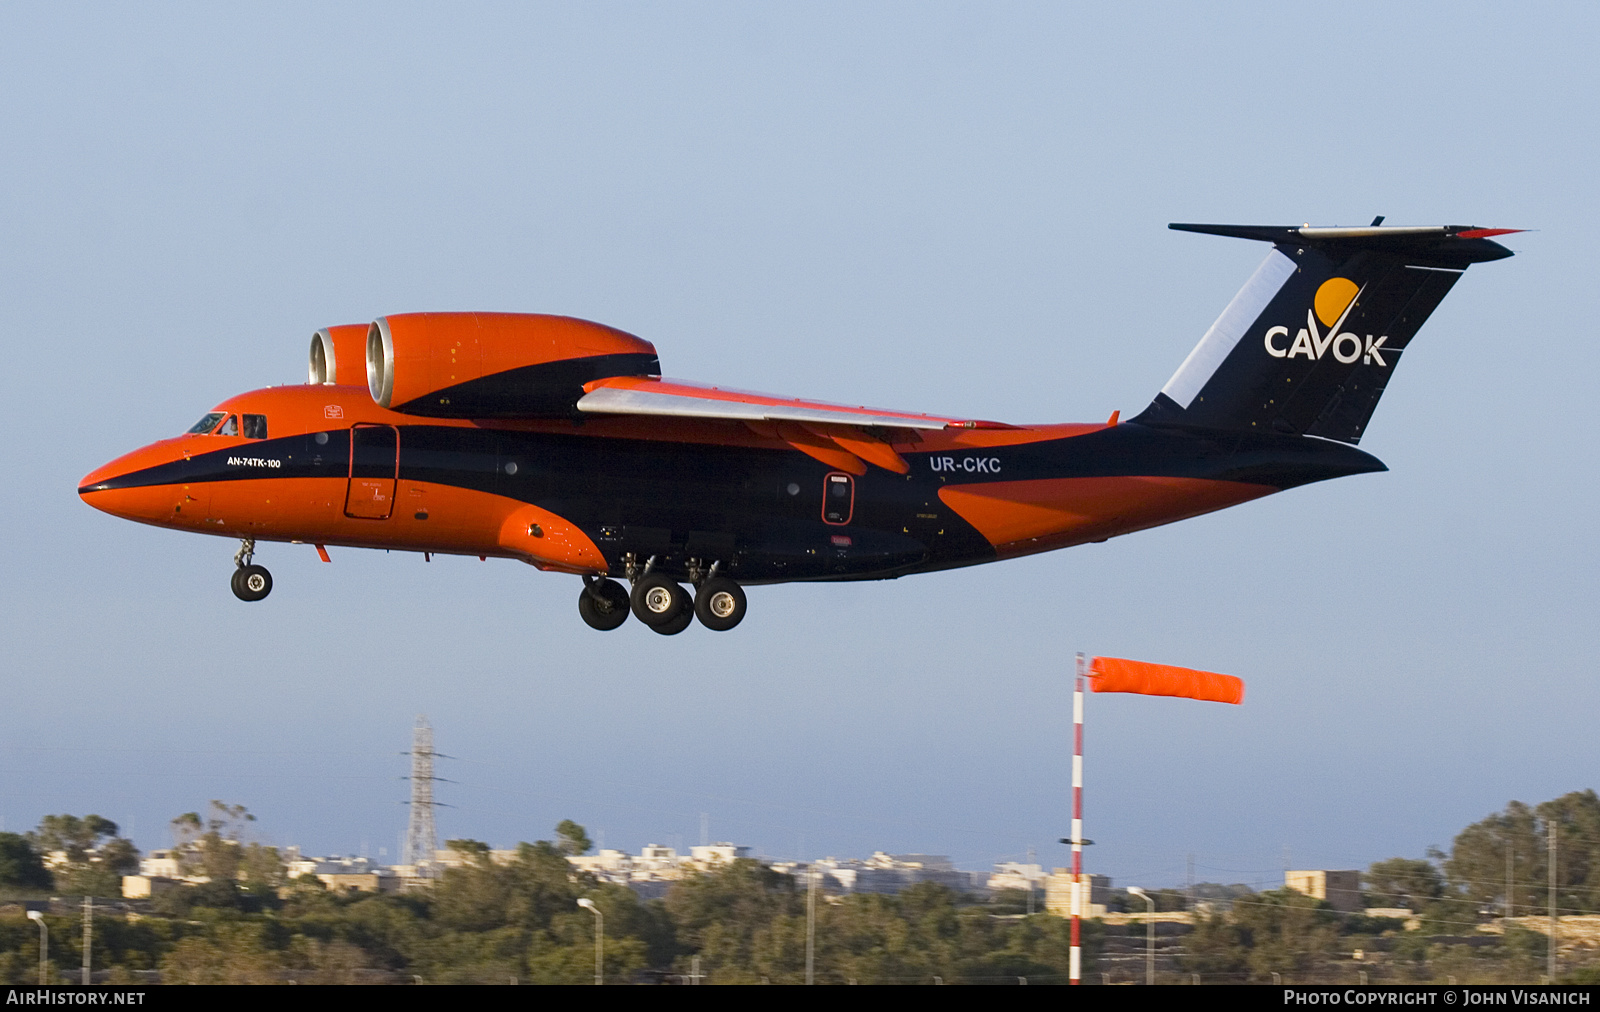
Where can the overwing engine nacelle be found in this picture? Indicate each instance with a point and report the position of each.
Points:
(493, 365)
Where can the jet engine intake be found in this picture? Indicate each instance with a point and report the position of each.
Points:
(495, 365)
(338, 356)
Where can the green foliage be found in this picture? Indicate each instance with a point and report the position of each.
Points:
(497, 918)
(1477, 863)
(1521, 941)
(1361, 924)
(1217, 949)
(730, 915)
(1404, 882)
(1576, 817)
(20, 865)
(1005, 902)
(214, 847)
(93, 858)
(1169, 900)
(574, 840)
(1281, 931)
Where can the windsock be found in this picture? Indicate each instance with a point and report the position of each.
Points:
(1114, 674)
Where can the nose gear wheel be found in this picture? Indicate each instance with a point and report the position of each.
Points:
(251, 583)
(603, 603)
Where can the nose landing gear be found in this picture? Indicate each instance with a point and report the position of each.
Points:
(602, 603)
(250, 582)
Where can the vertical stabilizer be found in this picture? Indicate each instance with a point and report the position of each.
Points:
(1309, 343)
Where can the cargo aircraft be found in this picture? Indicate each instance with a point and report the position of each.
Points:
(557, 442)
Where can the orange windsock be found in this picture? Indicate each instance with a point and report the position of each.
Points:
(1114, 674)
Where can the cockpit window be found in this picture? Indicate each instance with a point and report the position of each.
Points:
(205, 424)
(255, 426)
(230, 427)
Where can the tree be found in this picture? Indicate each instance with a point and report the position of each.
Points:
(471, 851)
(88, 855)
(723, 914)
(573, 839)
(1477, 861)
(212, 846)
(20, 865)
(1476, 867)
(1280, 931)
(1404, 882)
(262, 867)
(1576, 818)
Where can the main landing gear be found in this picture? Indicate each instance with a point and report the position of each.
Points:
(662, 603)
(250, 582)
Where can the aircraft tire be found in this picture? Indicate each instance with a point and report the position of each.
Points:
(720, 604)
(674, 626)
(251, 583)
(657, 599)
(603, 605)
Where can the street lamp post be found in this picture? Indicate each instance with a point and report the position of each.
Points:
(1150, 935)
(44, 946)
(599, 938)
(811, 922)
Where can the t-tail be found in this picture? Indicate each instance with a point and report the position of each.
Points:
(1309, 343)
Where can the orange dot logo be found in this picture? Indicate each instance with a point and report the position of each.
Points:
(1333, 298)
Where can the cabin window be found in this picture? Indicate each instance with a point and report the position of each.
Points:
(838, 498)
(206, 424)
(230, 427)
(255, 426)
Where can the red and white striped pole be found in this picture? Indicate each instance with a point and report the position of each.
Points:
(1075, 965)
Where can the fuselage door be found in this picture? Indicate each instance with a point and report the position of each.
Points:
(374, 466)
(838, 498)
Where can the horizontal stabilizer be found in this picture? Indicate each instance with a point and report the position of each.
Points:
(1425, 245)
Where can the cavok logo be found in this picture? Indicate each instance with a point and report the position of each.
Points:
(1333, 302)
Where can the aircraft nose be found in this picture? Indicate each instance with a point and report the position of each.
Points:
(134, 486)
(98, 488)
(96, 480)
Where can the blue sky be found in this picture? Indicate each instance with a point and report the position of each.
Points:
(944, 207)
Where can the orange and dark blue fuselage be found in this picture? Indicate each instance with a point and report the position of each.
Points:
(630, 476)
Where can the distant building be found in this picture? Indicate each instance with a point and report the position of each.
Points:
(882, 873)
(159, 871)
(449, 857)
(1342, 889)
(652, 871)
(144, 887)
(159, 864)
(1058, 894)
(1012, 875)
(350, 874)
(605, 861)
(717, 853)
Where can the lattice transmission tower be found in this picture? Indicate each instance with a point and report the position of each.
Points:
(422, 839)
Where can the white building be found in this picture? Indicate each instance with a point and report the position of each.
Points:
(882, 872)
(1012, 875)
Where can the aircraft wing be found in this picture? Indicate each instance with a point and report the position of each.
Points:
(636, 395)
(835, 434)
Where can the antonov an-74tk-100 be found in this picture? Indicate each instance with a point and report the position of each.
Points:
(556, 441)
